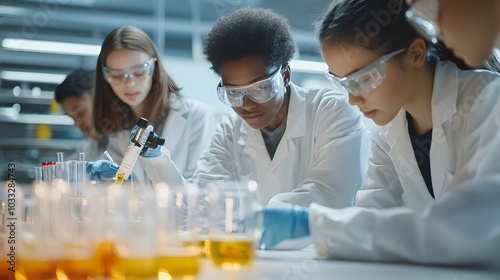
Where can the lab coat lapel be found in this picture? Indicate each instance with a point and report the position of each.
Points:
(444, 99)
(295, 127)
(253, 145)
(402, 154)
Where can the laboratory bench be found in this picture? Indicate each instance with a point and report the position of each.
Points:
(301, 265)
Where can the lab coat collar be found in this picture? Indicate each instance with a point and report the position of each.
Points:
(444, 99)
(253, 144)
(444, 107)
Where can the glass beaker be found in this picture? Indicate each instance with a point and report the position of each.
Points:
(179, 237)
(232, 223)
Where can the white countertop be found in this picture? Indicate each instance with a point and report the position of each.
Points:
(301, 265)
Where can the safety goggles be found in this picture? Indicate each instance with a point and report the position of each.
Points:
(136, 73)
(259, 92)
(422, 16)
(366, 79)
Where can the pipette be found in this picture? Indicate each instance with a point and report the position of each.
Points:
(143, 139)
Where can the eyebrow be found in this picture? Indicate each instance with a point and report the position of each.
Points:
(254, 80)
(74, 108)
(348, 74)
(251, 82)
(128, 68)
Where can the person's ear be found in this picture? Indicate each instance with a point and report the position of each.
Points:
(417, 52)
(286, 75)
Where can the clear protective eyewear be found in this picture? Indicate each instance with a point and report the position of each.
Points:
(422, 16)
(136, 73)
(259, 92)
(366, 79)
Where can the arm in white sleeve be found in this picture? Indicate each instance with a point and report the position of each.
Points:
(219, 161)
(161, 169)
(202, 126)
(463, 228)
(341, 149)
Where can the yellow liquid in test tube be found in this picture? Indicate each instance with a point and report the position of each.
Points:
(231, 252)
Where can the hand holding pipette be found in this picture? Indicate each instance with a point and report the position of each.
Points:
(142, 139)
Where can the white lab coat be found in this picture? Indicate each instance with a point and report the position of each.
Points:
(321, 158)
(487, 159)
(460, 104)
(187, 132)
(461, 225)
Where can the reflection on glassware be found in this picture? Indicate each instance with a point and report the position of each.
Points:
(231, 252)
(135, 233)
(232, 230)
(179, 263)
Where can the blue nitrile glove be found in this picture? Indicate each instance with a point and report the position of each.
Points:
(149, 152)
(281, 222)
(100, 169)
(152, 152)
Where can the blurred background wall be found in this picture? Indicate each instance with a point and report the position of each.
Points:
(32, 126)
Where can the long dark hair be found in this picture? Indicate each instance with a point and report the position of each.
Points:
(110, 114)
(379, 26)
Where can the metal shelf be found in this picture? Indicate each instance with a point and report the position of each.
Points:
(40, 119)
(62, 144)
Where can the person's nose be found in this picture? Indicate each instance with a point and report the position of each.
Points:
(355, 100)
(129, 80)
(248, 103)
(78, 123)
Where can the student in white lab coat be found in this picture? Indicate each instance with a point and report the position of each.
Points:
(131, 83)
(299, 145)
(431, 114)
(470, 28)
(75, 96)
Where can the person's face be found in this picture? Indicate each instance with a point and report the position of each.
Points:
(380, 104)
(248, 70)
(80, 109)
(467, 27)
(126, 66)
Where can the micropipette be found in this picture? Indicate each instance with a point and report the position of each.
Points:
(143, 139)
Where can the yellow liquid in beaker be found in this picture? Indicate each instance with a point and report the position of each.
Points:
(75, 268)
(36, 268)
(135, 268)
(180, 263)
(231, 252)
(105, 258)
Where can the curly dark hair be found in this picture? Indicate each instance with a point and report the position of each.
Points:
(249, 31)
(77, 83)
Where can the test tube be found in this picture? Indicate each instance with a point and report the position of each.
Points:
(45, 174)
(60, 157)
(51, 171)
(38, 174)
(81, 174)
(59, 166)
(73, 176)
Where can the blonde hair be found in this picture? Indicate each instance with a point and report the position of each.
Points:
(110, 114)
